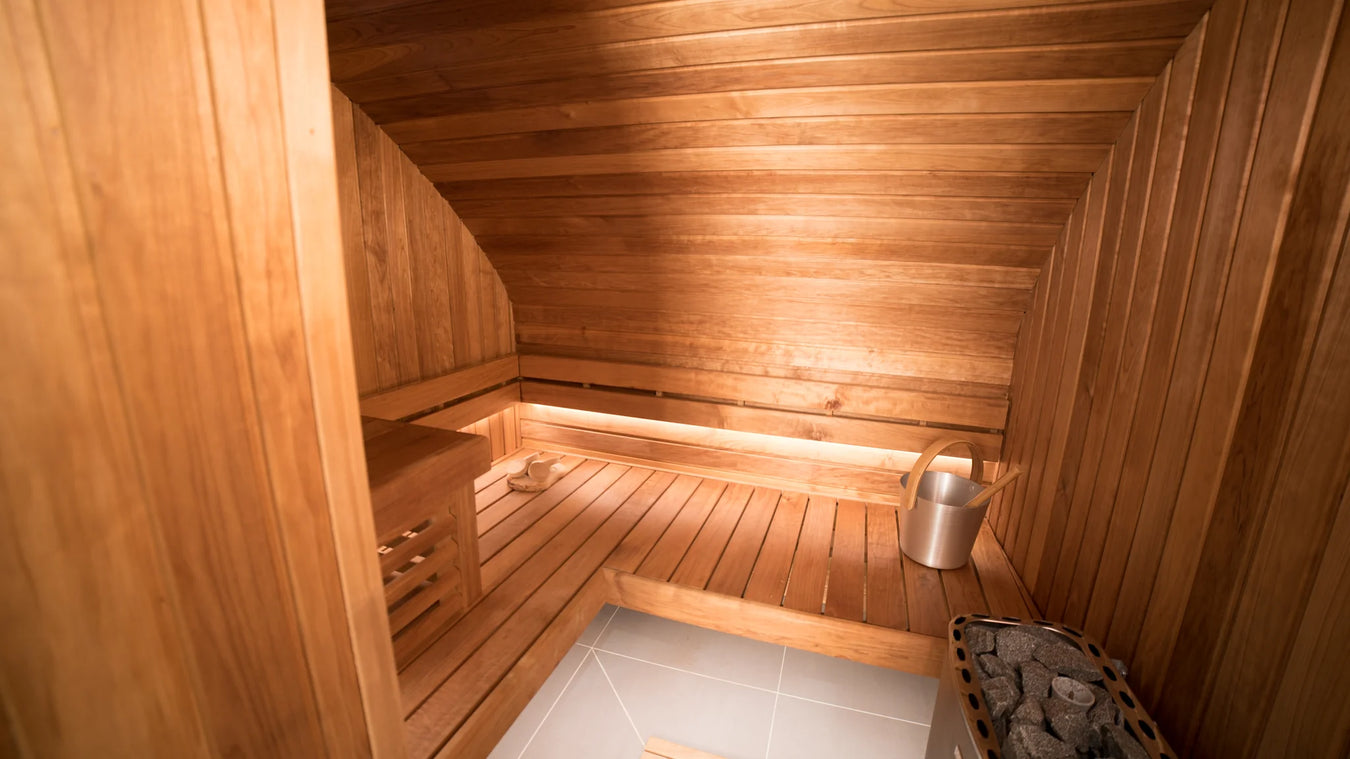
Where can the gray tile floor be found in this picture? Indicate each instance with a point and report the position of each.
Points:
(632, 677)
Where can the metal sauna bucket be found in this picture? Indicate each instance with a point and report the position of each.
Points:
(938, 521)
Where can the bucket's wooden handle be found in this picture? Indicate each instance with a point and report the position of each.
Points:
(992, 490)
(932, 452)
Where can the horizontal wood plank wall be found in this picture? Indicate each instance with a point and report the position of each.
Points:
(188, 557)
(424, 299)
(479, 399)
(1173, 403)
(817, 466)
(845, 193)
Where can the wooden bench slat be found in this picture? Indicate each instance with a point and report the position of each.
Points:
(564, 552)
(811, 565)
(699, 561)
(733, 570)
(847, 587)
(885, 573)
(769, 578)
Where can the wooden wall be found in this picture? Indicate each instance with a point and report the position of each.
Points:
(712, 449)
(1180, 400)
(424, 300)
(829, 216)
(502, 431)
(187, 562)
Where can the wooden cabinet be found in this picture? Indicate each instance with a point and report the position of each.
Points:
(421, 487)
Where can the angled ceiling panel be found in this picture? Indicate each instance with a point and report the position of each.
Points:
(856, 191)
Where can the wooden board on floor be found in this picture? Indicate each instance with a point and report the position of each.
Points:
(662, 749)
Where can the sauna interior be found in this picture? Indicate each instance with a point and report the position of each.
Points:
(291, 289)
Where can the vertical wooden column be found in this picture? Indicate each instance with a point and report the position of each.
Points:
(186, 560)
(463, 506)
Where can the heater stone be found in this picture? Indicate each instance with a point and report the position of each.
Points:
(1104, 714)
(1031, 742)
(1068, 661)
(1069, 724)
(1036, 679)
(1045, 635)
(980, 639)
(1029, 711)
(996, 667)
(1016, 645)
(1119, 744)
(1043, 696)
(1001, 694)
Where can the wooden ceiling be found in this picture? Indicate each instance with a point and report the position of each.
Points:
(846, 190)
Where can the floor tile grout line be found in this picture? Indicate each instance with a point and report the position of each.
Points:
(590, 651)
(685, 671)
(619, 698)
(556, 699)
(782, 665)
(859, 711)
(777, 691)
(595, 648)
(604, 628)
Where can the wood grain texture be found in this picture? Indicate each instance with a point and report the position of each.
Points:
(417, 302)
(847, 471)
(769, 577)
(723, 45)
(1053, 129)
(885, 570)
(657, 748)
(439, 390)
(1166, 526)
(488, 668)
(180, 434)
(706, 552)
(479, 407)
(878, 646)
(423, 94)
(811, 563)
(848, 563)
(630, 168)
(606, 522)
(743, 548)
(874, 181)
(717, 415)
(483, 728)
(769, 391)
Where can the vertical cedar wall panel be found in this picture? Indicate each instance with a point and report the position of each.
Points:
(187, 554)
(502, 430)
(1196, 519)
(424, 299)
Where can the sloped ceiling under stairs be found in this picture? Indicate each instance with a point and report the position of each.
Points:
(845, 191)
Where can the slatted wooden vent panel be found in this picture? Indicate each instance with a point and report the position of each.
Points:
(422, 586)
(853, 194)
(422, 493)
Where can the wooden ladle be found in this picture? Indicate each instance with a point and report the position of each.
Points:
(989, 492)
